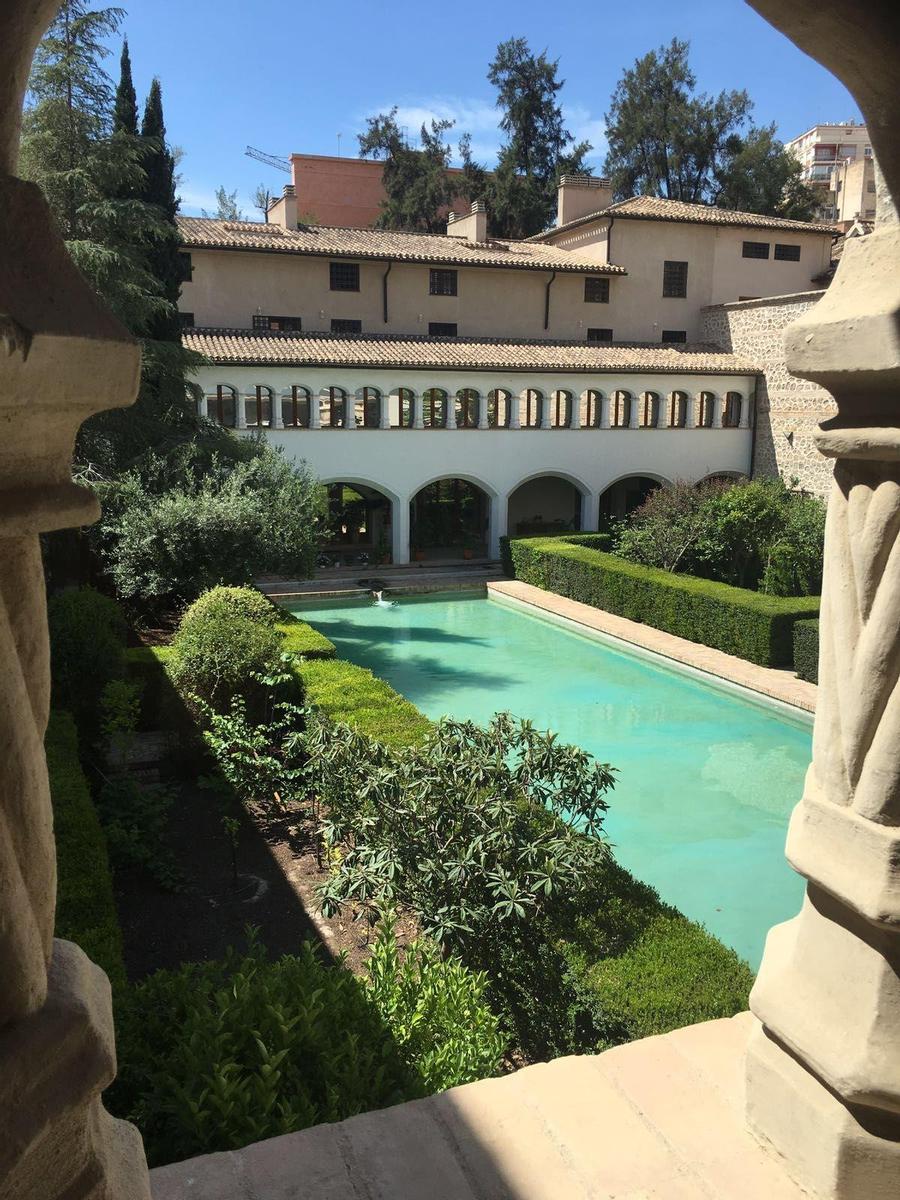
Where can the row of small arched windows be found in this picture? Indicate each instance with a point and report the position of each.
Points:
(647, 410)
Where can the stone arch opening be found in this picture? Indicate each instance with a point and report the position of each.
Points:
(260, 406)
(545, 504)
(499, 408)
(624, 496)
(358, 527)
(222, 405)
(449, 519)
(296, 407)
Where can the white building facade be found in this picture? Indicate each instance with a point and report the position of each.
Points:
(467, 387)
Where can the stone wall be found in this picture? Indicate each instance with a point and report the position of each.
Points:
(788, 409)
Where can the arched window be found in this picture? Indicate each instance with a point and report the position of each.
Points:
(560, 410)
(649, 410)
(334, 408)
(467, 408)
(405, 408)
(369, 409)
(434, 408)
(295, 408)
(620, 410)
(678, 408)
(222, 407)
(731, 418)
(593, 408)
(534, 403)
(498, 409)
(707, 406)
(259, 415)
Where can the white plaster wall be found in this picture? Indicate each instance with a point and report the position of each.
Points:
(401, 461)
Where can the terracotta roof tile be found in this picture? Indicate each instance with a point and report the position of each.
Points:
(654, 208)
(384, 244)
(249, 348)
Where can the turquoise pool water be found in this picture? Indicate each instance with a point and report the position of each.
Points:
(706, 778)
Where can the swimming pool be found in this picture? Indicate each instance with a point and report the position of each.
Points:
(706, 777)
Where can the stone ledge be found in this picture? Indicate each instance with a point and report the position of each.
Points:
(767, 681)
(660, 1119)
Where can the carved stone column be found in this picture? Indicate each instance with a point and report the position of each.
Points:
(823, 1069)
(62, 358)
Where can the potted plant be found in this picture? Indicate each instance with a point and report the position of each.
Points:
(468, 548)
(382, 550)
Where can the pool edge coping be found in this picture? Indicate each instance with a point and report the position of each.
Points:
(767, 685)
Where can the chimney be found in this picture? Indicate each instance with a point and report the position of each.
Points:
(472, 226)
(284, 211)
(581, 195)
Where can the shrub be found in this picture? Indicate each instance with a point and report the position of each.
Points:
(750, 625)
(85, 908)
(218, 657)
(164, 542)
(135, 819)
(216, 1055)
(87, 647)
(221, 603)
(436, 1010)
(459, 829)
(665, 530)
(755, 534)
(161, 705)
(806, 650)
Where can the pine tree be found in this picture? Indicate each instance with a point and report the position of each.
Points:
(78, 146)
(419, 191)
(521, 193)
(668, 140)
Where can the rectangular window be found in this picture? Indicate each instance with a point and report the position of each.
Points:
(344, 325)
(675, 279)
(277, 324)
(599, 335)
(186, 319)
(674, 335)
(870, 185)
(441, 329)
(756, 250)
(596, 290)
(787, 253)
(185, 267)
(344, 277)
(442, 283)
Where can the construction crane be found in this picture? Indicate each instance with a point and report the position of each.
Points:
(271, 160)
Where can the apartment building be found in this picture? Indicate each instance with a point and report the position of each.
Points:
(838, 164)
(552, 381)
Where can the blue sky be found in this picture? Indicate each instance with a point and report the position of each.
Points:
(289, 77)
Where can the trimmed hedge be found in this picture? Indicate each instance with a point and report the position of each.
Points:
(596, 541)
(748, 624)
(85, 908)
(806, 650)
(300, 638)
(353, 695)
(640, 967)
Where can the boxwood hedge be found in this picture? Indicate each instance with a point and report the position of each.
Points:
(85, 907)
(806, 650)
(748, 624)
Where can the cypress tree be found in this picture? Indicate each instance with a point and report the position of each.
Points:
(159, 191)
(125, 105)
